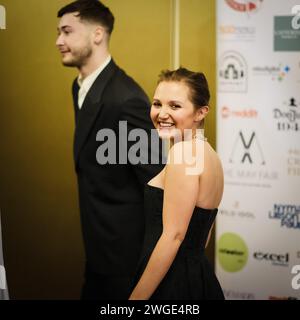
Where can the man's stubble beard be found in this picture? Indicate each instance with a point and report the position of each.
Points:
(79, 57)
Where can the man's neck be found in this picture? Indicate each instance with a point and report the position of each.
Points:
(93, 63)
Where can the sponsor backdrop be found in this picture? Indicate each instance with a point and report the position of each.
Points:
(258, 133)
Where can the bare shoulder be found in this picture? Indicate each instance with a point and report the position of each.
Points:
(188, 155)
(180, 185)
(213, 155)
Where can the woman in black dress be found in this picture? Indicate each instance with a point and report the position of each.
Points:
(181, 201)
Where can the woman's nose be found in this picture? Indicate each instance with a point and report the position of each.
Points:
(163, 114)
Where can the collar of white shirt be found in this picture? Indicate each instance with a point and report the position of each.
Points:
(86, 84)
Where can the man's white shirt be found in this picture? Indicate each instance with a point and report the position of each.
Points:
(86, 84)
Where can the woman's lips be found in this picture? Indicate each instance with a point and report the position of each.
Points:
(165, 125)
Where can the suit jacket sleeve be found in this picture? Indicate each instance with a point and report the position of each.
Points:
(136, 112)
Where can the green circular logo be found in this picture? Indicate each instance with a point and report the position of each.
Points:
(232, 252)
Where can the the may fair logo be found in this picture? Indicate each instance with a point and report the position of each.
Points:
(287, 117)
(233, 72)
(247, 149)
(245, 6)
(247, 164)
(287, 214)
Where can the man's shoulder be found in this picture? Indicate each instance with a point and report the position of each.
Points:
(126, 86)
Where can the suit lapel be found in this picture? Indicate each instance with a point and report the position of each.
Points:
(91, 108)
(75, 90)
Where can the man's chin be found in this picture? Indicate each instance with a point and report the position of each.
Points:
(69, 63)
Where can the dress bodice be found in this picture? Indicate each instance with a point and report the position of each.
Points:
(198, 229)
(190, 276)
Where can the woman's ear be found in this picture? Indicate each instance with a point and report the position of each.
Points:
(201, 113)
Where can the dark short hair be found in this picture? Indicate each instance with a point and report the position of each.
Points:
(90, 10)
(196, 82)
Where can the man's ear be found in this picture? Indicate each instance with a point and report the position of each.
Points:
(99, 34)
(201, 113)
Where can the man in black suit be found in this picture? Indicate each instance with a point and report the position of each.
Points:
(110, 194)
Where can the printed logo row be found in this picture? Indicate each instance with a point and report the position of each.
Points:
(287, 216)
(233, 255)
(234, 72)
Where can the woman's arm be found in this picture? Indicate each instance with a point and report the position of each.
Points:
(180, 195)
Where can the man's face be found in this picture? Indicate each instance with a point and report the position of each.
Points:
(74, 40)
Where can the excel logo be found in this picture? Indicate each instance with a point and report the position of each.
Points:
(296, 19)
(2, 18)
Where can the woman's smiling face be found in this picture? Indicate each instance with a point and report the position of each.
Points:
(172, 111)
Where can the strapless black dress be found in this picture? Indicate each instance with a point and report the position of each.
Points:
(190, 276)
